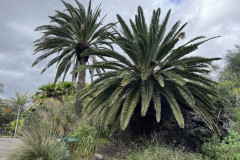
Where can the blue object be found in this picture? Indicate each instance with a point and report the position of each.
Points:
(65, 140)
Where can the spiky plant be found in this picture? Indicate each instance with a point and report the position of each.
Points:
(154, 69)
(70, 33)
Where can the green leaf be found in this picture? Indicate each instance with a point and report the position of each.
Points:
(157, 103)
(160, 79)
(175, 77)
(175, 108)
(128, 79)
(129, 105)
(146, 95)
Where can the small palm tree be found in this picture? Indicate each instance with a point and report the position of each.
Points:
(19, 101)
(56, 90)
(154, 70)
(72, 32)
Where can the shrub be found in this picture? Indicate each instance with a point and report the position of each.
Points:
(228, 148)
(60, 114)
(89, 139)
(236, 118)
(153, 150)
(38, 145)
(229, 90)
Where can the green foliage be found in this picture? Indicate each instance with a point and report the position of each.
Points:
(58, 90)
(226, 149)
(152, 150)
(8, 113)
(154, 69)
(231, 69)
(19, 100)
(235, 115)
(11, 126)
(89, 139)
(38, 144)
(60, 115)
(229, 90)
(72, 31)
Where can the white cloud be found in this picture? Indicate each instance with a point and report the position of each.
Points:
(20, 18)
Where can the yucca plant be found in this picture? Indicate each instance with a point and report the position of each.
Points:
(154, 69)
(70, 33)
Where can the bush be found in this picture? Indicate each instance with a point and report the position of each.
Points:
(228, 148)
(229, 90)
(89, 139)
(60, 114)
(153, 150)
(38, 145)
(10, 128)
(236, 118)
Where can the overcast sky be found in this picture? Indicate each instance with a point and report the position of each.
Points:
(19, 18)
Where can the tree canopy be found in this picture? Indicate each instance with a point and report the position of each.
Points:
(154, 69)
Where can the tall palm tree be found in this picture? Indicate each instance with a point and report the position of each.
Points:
(70, 33)
(155, 69)
(19, 101)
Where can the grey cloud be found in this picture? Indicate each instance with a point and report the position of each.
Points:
(19, 18)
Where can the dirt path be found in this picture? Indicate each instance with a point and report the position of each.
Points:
(7, 145)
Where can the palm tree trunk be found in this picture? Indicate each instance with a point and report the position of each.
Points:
(80, 85)
(15, 133)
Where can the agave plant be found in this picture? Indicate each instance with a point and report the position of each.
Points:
(70, 33)
(154, 68)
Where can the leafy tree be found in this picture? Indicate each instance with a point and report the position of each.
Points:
(7, 113)
(231, 69)
(229, 90)
(19, 101)
(68, 36)
(154, 70)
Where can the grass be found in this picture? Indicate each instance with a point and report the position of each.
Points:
(6, 137)
(38, 145)
(153, 150)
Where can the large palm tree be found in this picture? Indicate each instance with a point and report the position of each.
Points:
(155, 69)
(20, 101)
(70, 33)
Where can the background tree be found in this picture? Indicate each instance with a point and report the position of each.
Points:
(72, 32)
(20, 101)
(154, 70)
(55, 90)
(7, 112)
(231, 68)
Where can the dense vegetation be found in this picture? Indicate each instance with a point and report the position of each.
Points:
(151, 76)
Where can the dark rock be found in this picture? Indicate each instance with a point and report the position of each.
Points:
(191, 137)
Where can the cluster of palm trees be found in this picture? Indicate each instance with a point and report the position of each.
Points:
(151, 66)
